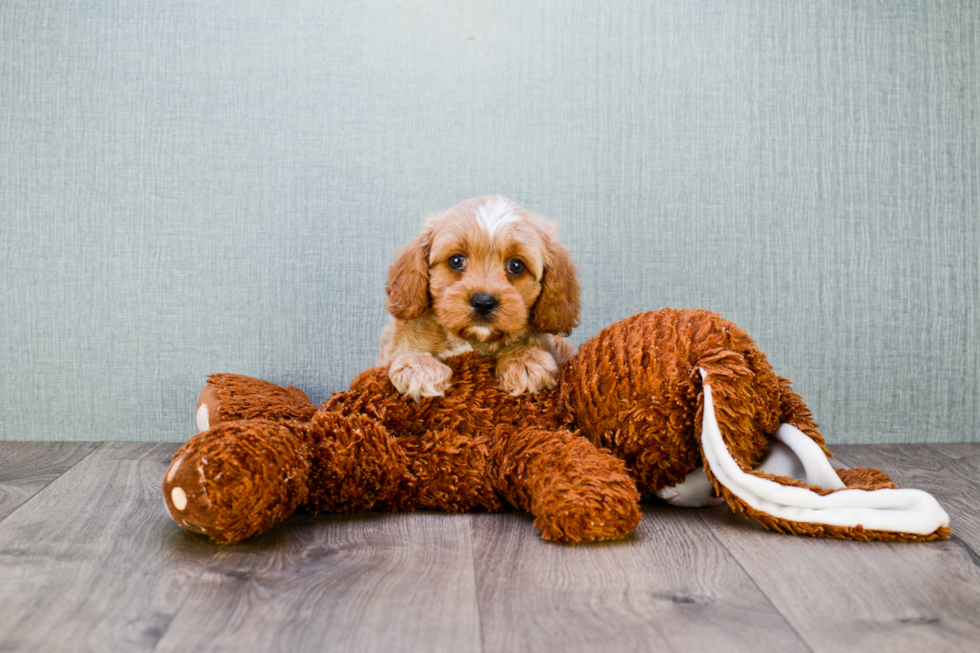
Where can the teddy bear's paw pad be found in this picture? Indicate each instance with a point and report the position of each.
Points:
(201, 417)
(178, 498)
(420, 375)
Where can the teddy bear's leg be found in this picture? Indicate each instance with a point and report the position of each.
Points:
(576, 492)
(806, 461)
(355, 464)
(240, 478)
(237, 479)
(230, 397)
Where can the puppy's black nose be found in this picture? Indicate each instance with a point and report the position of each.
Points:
(483, 303)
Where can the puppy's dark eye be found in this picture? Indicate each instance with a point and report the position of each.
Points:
(515, 266)
(457, 262)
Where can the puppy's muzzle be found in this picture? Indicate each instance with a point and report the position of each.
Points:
(483, 304)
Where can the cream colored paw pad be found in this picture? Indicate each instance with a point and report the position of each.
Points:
(179, 498)
(203, 422)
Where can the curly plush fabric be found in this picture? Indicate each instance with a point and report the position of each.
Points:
(232, 397)
(635, 388)
(368, 448)
(238, 479)
(625, 418)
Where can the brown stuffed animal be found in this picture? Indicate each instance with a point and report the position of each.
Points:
(675, 402)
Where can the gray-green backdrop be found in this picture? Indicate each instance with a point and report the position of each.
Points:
(218, 186)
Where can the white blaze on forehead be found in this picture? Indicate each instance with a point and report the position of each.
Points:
(495, 213)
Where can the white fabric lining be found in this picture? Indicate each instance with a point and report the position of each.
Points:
(893, 510)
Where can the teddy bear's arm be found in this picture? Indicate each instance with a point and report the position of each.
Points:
(229, 397)
(576, 492)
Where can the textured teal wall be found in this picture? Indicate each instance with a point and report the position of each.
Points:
(217, 186)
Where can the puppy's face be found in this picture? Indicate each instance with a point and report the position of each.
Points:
(489, 271)
(486, 264)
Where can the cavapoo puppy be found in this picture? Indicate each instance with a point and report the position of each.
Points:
(485, 276)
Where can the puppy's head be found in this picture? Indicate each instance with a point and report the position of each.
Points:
(489, 271)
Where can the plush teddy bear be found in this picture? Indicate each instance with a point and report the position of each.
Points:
(680, 403)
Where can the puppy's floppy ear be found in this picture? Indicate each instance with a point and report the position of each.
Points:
(557, 308)
(408, 280)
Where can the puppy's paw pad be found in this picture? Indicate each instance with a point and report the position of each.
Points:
(420, 375)
(531, 371)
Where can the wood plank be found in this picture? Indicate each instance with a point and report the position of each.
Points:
(669, 586)
(950, 472)
(93, 562)
(359, 582)
(847, 596)
(28, 467)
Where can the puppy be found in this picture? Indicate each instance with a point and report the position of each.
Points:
(484, 276)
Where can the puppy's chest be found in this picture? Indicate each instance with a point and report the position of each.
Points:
(457, 347)
(454, 347)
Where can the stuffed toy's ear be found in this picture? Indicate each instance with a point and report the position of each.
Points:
(408, 279)
(796, 490)
(557, 309)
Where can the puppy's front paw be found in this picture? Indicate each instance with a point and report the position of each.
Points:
(419, 375)
(531, 370)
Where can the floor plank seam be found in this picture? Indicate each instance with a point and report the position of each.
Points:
(974, 556)
(180, 608)
(49, 483)
(476, 586)
(769, 600)
(183, 603)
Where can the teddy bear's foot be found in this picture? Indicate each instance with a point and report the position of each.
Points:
(185, 497)
(237, 479)
(604, 513)
(230, 397)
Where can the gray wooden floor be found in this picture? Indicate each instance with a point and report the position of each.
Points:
(89, 560)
